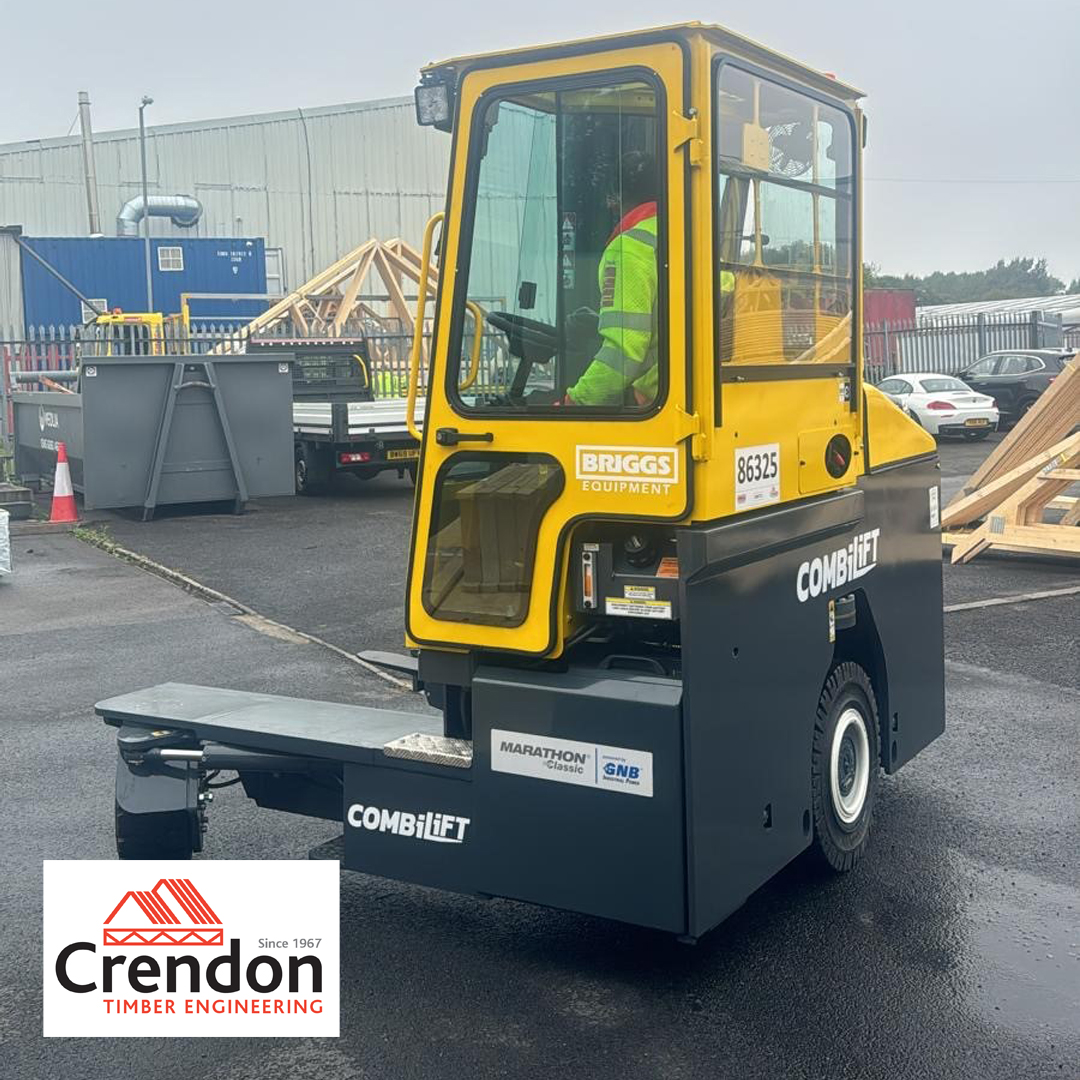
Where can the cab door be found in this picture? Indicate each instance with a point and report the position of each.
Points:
(566, 234)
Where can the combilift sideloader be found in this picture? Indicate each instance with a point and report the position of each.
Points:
(675, 574)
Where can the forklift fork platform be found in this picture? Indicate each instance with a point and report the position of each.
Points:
(268, 722)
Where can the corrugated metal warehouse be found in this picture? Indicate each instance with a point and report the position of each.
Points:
(313, 183)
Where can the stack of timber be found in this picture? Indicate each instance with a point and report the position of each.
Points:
(1005, 503)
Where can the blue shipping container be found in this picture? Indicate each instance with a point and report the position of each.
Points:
(112, 270)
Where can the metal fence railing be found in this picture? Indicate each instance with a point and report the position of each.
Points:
(48, 357)
(947, 344)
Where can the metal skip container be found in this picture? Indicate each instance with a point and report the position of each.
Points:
(151, 431)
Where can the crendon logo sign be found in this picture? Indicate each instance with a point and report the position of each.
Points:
(648, 470)
(251, 950)
(199, 926)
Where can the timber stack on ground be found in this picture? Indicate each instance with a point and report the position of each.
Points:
(1008, 500)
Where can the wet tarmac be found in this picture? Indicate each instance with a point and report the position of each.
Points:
(952, 951)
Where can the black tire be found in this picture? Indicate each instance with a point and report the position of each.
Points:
(169, 835)
(312, 470)
(411, 473)
(1023, 409)
(914, 417)
(843, 811)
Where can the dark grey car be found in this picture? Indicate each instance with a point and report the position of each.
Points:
(1015, 378)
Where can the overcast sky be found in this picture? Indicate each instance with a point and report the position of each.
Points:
(974, 150)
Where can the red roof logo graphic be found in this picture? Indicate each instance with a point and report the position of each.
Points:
(196, 923)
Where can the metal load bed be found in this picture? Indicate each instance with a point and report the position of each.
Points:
(365, 417)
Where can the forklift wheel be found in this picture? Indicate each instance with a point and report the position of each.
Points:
(167, 835)
(844, 767)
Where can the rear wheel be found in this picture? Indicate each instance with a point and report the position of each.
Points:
(171, 834)
(312, 470)
(844, 767)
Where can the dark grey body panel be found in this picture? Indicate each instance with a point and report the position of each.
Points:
(755, 657)
(577, 847)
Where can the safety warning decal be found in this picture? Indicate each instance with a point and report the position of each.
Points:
(639, 609)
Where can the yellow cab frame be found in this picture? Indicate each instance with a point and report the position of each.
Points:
(705, 412)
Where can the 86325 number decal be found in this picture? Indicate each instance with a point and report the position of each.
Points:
(757, 475)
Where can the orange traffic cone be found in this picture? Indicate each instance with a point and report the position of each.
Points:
(63, 500)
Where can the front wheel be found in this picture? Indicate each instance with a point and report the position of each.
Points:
(170, 834)
(844, 767)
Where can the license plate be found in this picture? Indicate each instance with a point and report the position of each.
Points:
(980, 422)
(402, 455)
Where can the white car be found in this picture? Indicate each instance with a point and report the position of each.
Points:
(943, 404)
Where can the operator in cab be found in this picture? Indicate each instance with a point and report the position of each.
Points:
(624, 370)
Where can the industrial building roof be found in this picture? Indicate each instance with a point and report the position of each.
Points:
(1067, 305)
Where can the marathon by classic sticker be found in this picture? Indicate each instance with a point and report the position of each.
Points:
(609, 768)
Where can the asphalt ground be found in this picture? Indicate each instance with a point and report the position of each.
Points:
(952, 951)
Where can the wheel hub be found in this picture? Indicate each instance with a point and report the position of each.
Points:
(849, 766)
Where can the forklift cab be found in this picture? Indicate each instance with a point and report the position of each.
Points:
(675, 575)
(726, 346)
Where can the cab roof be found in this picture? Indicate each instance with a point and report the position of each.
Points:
(717, 35)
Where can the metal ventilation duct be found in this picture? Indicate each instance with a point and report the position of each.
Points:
(184, 210)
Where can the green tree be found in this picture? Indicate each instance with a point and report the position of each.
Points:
(1019, 277)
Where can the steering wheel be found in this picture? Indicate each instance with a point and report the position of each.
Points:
(531, 341)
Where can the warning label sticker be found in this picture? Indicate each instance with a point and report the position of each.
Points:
(639, 592)
(639, 609)
(668, 568)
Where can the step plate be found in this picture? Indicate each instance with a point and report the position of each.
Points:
(434, 749)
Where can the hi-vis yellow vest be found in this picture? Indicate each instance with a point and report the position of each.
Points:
(628, 326)
(628, 319)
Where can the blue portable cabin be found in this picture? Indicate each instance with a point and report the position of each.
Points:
(112, 270)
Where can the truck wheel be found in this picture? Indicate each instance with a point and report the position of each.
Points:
(312, 471)
(844, 767)
(167, 835)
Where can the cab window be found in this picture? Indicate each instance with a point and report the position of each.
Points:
(785, 224)
(562, 247)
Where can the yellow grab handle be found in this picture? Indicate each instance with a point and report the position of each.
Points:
(418, 328)
(478, 339)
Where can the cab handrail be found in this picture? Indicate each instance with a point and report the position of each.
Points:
(418, 326)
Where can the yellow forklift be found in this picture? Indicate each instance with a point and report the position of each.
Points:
(675, 576)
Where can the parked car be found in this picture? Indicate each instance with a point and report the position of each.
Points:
(1015, 378)
(942, 404)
